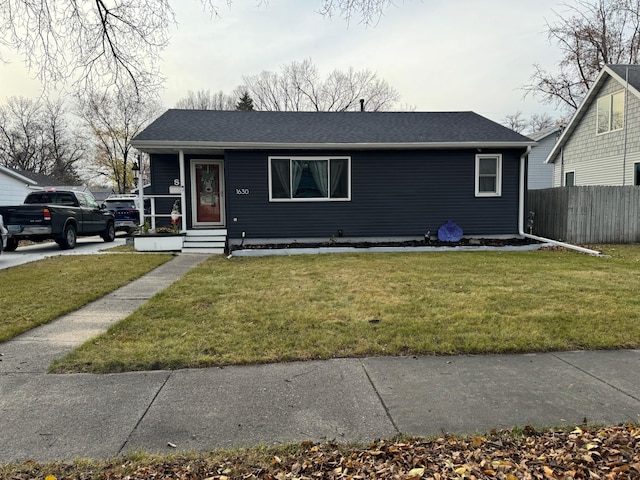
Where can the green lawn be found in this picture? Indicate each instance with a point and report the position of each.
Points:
(272, 309)
(38, 292)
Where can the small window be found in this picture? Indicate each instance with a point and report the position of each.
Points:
(570, 179)
(309, 179)
(636, 173)
(488, 175)
(610, 112)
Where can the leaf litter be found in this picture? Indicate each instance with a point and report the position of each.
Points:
(581, 453)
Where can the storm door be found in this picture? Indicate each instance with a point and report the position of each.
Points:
(207, 193)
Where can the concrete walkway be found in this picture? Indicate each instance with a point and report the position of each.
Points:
(53, 417)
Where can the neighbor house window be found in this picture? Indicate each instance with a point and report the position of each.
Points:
(569, 179)
(611, 112)
(309, 178)
(488, 175)
(636, 173)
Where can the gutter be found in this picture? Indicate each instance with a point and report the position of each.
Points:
(152, 145)
(521, 215)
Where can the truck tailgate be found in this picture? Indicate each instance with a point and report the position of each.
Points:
(24, 216)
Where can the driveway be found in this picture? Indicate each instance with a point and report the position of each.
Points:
(31, 253)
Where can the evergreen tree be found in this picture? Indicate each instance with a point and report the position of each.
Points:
(245, 103)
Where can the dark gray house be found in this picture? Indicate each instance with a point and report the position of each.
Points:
(310, 176)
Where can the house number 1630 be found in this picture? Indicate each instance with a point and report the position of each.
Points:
(242, 191)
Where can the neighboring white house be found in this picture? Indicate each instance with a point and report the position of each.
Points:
(601, 143)
(540, 173)
(14, 186)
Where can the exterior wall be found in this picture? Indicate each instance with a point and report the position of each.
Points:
(540, 174)
(12, 190)
(393, 193)
(600, 159)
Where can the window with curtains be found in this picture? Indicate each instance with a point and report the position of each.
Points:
(309, 179)
(488, 175)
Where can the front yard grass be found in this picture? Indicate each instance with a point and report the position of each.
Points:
(273, 309)
(38, 292)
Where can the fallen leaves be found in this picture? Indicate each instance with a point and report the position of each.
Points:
(605, 453)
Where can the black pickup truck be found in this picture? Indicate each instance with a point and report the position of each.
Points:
(57, 215)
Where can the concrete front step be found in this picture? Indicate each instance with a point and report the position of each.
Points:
(207, 232)
(203, 244)
(208, 240)
(215, 251)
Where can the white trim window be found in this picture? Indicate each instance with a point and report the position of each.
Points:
(309, 179)
(570, 178)
(488, 175)
(610, 112)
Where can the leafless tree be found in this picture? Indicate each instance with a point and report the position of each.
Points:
(515, 122)
(36, 136)
(299, 87)
(205, 100)
(114, 120)
(112, 42)
(590, 34)
(369, 11)
(536, 122)
(540, 121)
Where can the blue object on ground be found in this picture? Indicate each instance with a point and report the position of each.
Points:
(449, 232)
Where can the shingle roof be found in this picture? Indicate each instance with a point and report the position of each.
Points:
(238, 128)
(634, 73)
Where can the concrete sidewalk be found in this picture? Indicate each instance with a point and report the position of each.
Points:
(52, 417)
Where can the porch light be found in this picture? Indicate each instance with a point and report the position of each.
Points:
(135, 170)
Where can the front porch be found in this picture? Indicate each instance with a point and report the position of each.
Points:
(209, 241)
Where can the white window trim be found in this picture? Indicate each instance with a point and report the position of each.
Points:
(318, 199)
(498, 192)
(564, 180)
(610, 98)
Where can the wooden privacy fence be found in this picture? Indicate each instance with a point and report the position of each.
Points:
(586, 215)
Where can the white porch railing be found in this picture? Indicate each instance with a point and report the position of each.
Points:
(154, 214)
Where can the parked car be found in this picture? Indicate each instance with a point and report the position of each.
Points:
(126, 211)
(3, 235)
(58, 215)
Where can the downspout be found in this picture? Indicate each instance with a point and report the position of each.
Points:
(183, 194)
(521, 201)
(626, 109)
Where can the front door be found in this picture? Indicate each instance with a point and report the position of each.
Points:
(207, 193)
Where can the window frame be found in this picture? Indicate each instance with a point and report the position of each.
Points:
(326, 158)
(566, 174)
(609, 98)
(498, 190)
(636, 173)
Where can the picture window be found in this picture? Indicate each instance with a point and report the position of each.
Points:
(310, 179)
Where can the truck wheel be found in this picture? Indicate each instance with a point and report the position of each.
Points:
(109, 235)
(68, 239)
(12, 244)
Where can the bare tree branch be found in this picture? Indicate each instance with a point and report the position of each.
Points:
(590, 35)
(299, 87)
(103, 43)
(114, 120)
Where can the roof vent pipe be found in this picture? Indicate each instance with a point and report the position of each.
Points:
(362, 104)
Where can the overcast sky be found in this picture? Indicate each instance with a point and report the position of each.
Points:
(441, 55)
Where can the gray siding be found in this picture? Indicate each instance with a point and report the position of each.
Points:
(540, 173)
(395, 193)
(600, 159)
